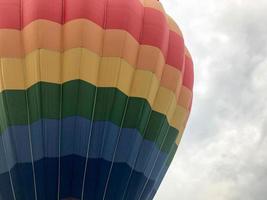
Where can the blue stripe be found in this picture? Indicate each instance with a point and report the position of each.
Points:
(5, 187)
(71, 183)
(152, 187)
(74, 140)
(3, 161)
(133, 155)
(151, 190)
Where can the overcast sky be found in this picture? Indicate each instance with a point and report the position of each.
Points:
(223, 154)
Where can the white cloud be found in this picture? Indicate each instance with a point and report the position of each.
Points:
(223, 154)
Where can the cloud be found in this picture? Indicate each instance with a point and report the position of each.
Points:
(223, 154)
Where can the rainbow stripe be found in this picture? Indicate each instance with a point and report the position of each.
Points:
(94, 98)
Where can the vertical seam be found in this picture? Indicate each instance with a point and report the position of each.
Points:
(61, 94)
(4, 146)
(165, 136)
(149, 116)
(94, 104)
(123, 117)
(27, 104)
(77, 107)
(126, 188)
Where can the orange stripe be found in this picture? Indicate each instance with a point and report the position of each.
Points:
(83, 33)
(141, 20)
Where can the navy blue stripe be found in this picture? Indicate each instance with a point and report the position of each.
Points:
(5, 187)
(137, 161)
(46, 176)
(74, 140)
(149, 193)
(152, 186)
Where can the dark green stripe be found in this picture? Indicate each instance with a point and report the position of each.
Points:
(78, 99)
(171, 154)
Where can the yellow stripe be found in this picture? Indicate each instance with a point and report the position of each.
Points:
(99, 64)
(41, 65)
(45, 65)
(11, 74)
(144, 85)
(185, 97)
(165, 102)
(50, 60)
(44, 34)
(79, 63)
(179, 117)
(182, 128)
(115, 72)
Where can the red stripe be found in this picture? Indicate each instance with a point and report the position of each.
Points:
(146, 25)
(10, 14)
(155, 30)
(188, 79)
(93, 10)
(176, 51)
(42, 9)
(126, 15)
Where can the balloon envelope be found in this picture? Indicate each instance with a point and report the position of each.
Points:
(94, 98)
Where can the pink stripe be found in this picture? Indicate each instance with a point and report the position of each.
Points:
(126, 15)
(155, 30)
(10, 14)
(147, 25)
(188, 79)
(93, 10)
(176, 51)
(42, 9)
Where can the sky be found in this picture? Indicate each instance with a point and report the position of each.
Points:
(223, 153)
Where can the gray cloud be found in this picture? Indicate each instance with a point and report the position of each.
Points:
(223, 154)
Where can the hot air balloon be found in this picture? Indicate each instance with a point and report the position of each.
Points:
(94, 98)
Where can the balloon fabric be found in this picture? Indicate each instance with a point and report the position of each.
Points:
(94, 98)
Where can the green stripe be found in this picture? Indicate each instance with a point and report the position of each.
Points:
(78, 99)
(171, 154)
